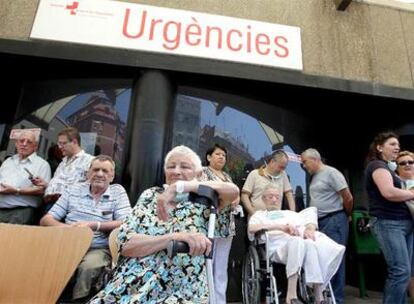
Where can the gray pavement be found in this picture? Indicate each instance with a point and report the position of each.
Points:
(352, 297)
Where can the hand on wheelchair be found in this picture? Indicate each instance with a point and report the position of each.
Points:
(197, 242)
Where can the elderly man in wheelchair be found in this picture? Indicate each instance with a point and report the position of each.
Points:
(292, 239)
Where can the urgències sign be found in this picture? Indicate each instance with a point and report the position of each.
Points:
(171, 31)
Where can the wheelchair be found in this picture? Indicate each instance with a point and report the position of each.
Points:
(259, 272)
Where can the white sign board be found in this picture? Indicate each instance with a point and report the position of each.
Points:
(15, 133)
(163, 30)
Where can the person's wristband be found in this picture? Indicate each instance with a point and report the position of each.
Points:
(179, 187)
(98, 226)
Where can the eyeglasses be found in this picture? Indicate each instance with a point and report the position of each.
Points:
(406, 162)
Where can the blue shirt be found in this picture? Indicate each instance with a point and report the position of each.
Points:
(77, 205)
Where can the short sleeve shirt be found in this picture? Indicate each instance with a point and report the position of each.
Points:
(324, 190)
(77, 205)
(69, 172)
(13, 173)
(255, 183)
(156, 278)
(225, 225)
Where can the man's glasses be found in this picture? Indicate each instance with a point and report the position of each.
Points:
(406, 162)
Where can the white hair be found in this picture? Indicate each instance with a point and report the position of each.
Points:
(30, 133)
(186, 151)
(311, 153)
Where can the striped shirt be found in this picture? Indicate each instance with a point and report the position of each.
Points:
(77, 205)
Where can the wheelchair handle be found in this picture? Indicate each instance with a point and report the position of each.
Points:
(259, 233)
(206, 196)
(175, 247)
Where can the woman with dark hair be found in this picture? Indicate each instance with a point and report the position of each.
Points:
(391, 221)
(225, 228)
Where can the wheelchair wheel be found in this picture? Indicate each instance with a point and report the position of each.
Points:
(305, 293)
(251, 277)
(328, 295)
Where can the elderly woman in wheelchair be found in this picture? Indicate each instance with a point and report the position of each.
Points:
(292, 239)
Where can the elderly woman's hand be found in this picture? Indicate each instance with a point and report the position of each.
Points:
(199, 244)
(166, 202)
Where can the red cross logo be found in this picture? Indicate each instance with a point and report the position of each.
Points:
(72, 7)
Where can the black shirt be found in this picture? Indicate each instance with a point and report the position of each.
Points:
(378, 205)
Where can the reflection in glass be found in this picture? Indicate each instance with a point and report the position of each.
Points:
(199, 123)
(100, 116)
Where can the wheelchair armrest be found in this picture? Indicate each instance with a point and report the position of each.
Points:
(260, 233)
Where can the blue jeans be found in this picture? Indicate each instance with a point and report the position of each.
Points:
(337, 228)
(395, 238)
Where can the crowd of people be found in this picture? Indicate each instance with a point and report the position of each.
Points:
(81, 193)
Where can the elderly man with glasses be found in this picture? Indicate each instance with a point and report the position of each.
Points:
(71, 170)
(19, 196)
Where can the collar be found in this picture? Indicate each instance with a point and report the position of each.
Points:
(30, 158)
(86, 191)
(79, 154)
(262, 171)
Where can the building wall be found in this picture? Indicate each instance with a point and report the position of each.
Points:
(365, 43)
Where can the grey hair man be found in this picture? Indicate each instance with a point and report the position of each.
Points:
(19, 197)
(101, 207)
(329, 193)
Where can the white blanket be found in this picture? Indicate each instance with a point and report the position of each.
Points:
(320, 258)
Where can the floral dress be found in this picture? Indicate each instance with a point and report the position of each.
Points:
(225, 224)
(156, 278)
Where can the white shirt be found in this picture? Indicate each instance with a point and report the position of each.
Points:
(70, 171)
(12, 173)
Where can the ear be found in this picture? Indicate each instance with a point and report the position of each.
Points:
(379, 148)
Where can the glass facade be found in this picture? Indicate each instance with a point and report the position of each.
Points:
(100, 115)
(201, 122)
